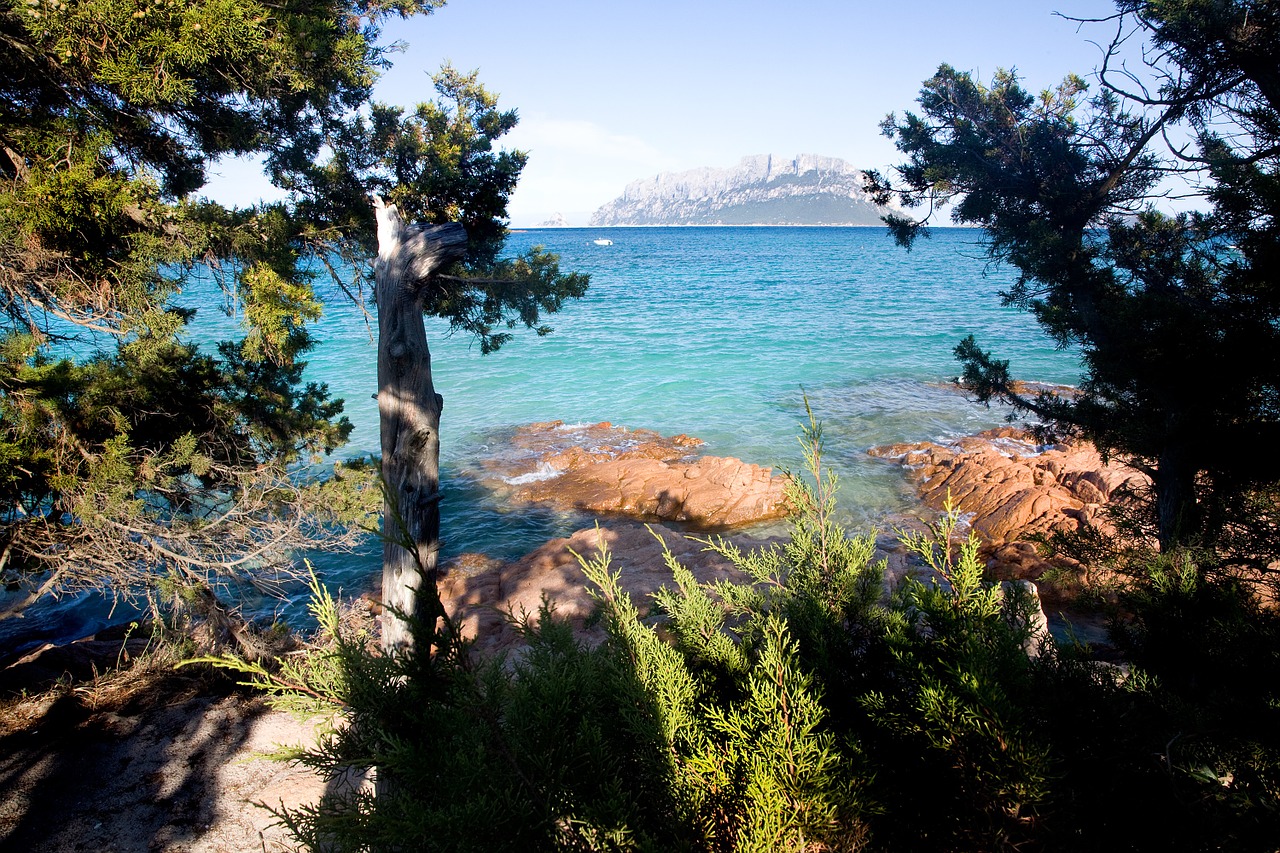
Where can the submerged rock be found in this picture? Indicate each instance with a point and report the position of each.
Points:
(636, 473)
(549, 447)
(482, 593)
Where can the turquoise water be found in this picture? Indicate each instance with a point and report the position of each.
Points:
(715, 332)
(718, 332)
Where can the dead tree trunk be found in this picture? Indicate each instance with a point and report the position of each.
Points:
(409, 410)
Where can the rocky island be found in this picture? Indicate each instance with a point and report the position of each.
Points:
(765, 189)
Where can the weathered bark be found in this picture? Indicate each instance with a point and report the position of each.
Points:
(409, 410)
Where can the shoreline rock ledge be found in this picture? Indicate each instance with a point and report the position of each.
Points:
(639, 474)
(1010, 490)
(1010, 487)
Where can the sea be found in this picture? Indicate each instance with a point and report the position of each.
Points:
(722, 333)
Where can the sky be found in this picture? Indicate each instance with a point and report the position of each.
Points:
(610, 92)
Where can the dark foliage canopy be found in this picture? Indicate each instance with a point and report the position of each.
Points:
(124, 450)
(1176, 316)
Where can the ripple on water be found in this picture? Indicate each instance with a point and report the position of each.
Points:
(711, 332)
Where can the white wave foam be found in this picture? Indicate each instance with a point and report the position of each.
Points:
(580, 425)
(544, 472)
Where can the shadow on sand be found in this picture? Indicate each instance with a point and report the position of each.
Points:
(157, 773)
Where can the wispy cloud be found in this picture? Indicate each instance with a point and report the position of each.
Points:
(575, 166)
(578, 136)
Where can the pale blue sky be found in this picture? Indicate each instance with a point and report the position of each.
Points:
(612, 92)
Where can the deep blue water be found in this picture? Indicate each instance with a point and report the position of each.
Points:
(715, 332)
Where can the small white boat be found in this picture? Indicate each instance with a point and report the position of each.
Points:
(603, 242)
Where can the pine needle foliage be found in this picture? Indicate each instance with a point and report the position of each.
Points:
(128, 455)
(556, 749)
(957, 707)
(756, 756)
(1176, 316)
(802, 709)
(302, 683)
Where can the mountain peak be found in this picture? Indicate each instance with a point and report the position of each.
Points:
(557, 220)
(762, 189)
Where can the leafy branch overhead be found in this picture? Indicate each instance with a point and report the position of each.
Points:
(437, 164)
(112, 114)
(1176, 316)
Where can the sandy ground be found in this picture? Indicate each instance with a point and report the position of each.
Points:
(181, 772)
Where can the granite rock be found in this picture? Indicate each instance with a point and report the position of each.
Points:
(636, 473)
(765, 189)
(1010, 487)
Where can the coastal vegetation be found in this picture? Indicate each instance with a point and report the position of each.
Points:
(797, 705)
(129, 455)
(1176, 315)
(133, 461)
(802, 711)
(799, 709)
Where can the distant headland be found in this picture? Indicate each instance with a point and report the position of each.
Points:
(765, 189)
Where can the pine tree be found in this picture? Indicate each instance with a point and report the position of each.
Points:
(129, 455)
(1177, 317)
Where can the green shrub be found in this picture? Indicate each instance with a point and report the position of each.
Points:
(801, 709)
(949, 713)
(557, 749)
